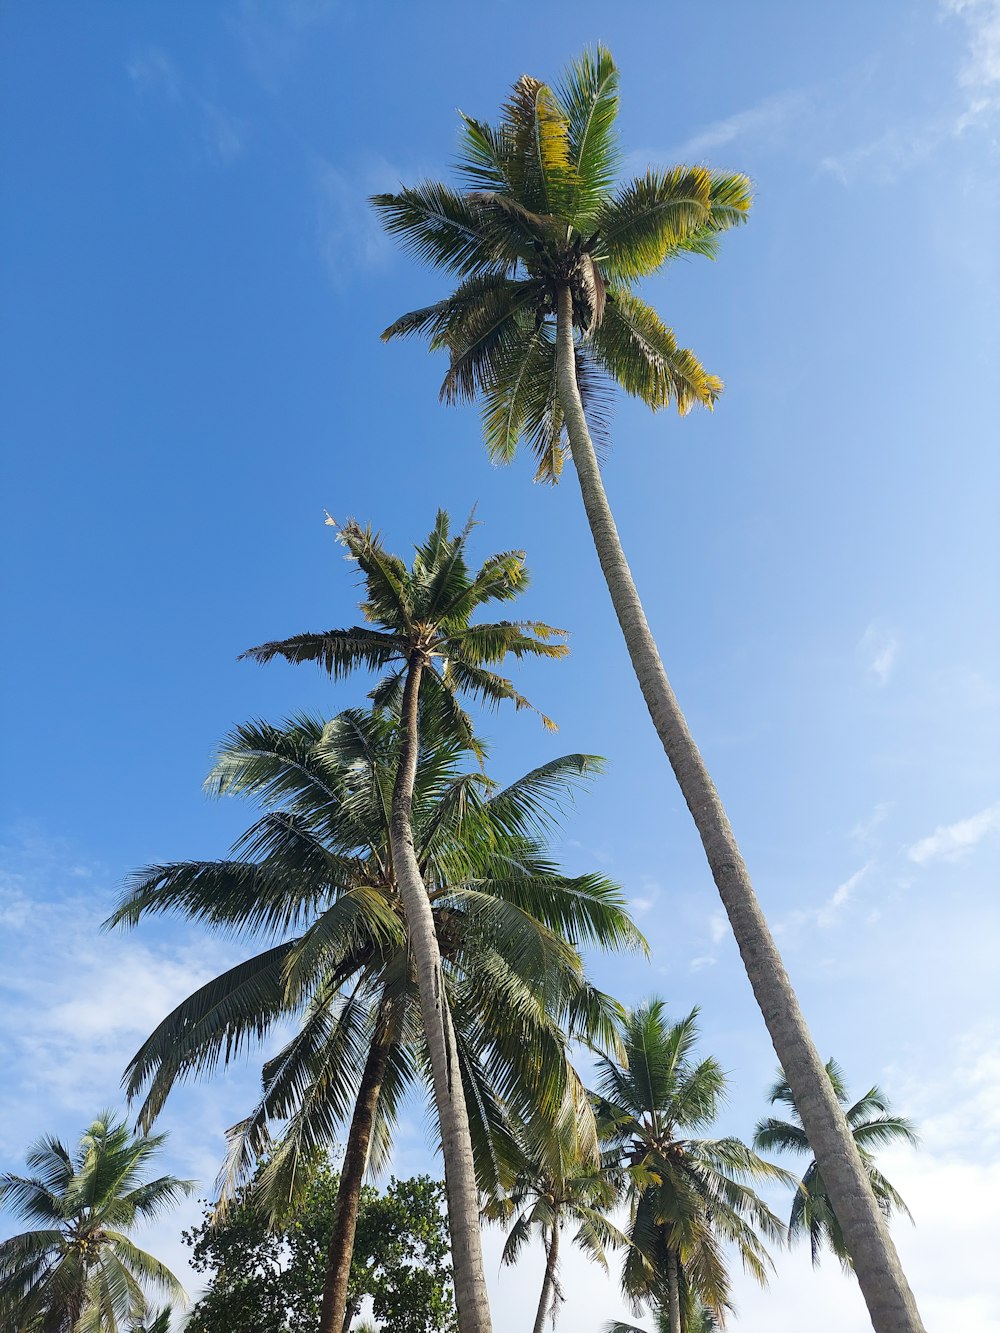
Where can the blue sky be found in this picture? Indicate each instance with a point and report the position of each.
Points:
(191, 373)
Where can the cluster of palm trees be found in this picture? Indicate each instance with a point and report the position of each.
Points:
(408, 921)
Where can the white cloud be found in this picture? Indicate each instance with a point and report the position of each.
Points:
(901, 147)
(841, 895)
(348, 230)
(272, 36)
(879, 648)
(765, 120)
(152, 73)
(982, 18)
(951, 841)
(718, 926)
(864, 830)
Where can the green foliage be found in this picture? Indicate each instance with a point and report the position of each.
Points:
(80, 1270)
(872, 1124)
(541, 213)
(265, 1279)
(690, 1196)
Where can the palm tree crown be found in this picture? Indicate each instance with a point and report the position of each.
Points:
(872, 1124)
(314, 878)
(689, 1195)
(80, 1272)
(541, 211)
(424, 613)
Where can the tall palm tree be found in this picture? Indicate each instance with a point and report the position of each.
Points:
(420, 628)
(872, 1124)
(80, 1272)
(320, 858)
(548, 249)
(689, 1196)
(558, 1182)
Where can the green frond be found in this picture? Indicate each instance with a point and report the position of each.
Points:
(640, 352)
(440, 227)
(649, 218)
(338, 652)
(588, 98)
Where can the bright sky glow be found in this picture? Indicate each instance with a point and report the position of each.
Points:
(190, 373)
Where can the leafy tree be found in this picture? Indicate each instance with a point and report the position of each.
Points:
(268, 1278)
(547, 249)
(321, 858)
(689, 1196)
(420, 630)
(80, 1272)
(872, 1125)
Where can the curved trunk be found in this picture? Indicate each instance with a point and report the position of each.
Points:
(549, 1281)
(334, 1314)
(456, 1142)
(883, 1284)
(674, 1292)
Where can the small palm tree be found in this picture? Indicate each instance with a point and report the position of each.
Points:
(547, 249)
(81, 1272)
(689, 1196)
(420, 630)
(558, 1182)
(872, 1124)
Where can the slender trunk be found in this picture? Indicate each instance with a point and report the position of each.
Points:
(883, 1283)
(334, 1314)
(353, 1306)
(674, 1291)
(456, 1142)
(547, 1298)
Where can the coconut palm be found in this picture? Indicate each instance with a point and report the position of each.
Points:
(321, 859)
(872, 1124)
(558, 1182)
(420, 629)
(548, 248)
(701, 1321)
(80, 1272)
(689, 1196)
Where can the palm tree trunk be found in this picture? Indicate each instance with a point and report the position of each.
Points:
(549, 1281)
(334, 1308)
(883, 1283)
(459, 1169)
(674, 1292)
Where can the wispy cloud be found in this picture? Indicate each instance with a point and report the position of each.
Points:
(879, 647)
(764, 122)
(863, 831)
(273, 35)
(949, 842)
(154, 74)
(348, 231)
(841, 895)
(901, 147)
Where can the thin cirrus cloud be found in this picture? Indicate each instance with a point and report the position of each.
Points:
(903, 146)
(949, 842)
(879, 648)
(153, 74)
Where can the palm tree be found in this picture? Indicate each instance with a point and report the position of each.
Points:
(872, 1124)
(689, 1196)
(702, 1321)
(80, 1272)
(420, 628)
(545, 319)
(320, 858)
(558, 1182)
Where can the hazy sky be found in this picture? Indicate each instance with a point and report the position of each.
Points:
(191, 373)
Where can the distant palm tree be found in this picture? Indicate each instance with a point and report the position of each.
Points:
(701, 1320)
(558, 1182)
(81, 1272)
(689, 1196)
(872, 1124)
(319, 862)
(547, 248)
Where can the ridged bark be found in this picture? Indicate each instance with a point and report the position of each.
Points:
(333, 1317)
(549, 1281)
(887, 1294)
(456, 1142)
